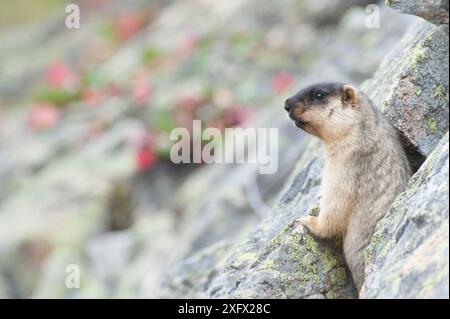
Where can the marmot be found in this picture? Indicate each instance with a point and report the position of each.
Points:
(365, 165)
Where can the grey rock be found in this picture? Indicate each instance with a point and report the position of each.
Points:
(217, 203)
(411, 86)
(409, 251)
(192, 276)
(221, 239)
(276, 259)
(435, 11)
(109, 254)
(279, 259)
(328, 12)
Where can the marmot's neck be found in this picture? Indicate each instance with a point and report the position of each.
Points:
(359, 138)
(339, 148)
(343, 144)
(363, 136)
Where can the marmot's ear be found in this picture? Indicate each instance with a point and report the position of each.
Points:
(349, 95)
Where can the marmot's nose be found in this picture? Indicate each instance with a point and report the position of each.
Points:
(288, 105)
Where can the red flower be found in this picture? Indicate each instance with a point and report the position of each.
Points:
(142, 93)
(114, 89)
(189, 43)
(60, 75)
(93, 97)
(146, 159)
(238, 116)
(190, 102)
(44, 116)
(183, 118)
(141, 138)
(282, 81)
(127, 25)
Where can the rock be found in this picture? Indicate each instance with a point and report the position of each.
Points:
(54, 278)
(109, 254)
(240, 195)
(266, 262)
(206, 215)
(291, 265)
(280, 260)
(435, 11)
(192, 276)
(225, 230)
(409, 251)
(411, 87)
(337, 63)
(328, 12)
(218, 257)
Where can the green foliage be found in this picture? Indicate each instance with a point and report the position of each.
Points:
(151, 55)
(58, 97)
(163, 121)
(94, 79)
(25, 11)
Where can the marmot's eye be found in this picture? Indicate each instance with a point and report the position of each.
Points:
(318, 95)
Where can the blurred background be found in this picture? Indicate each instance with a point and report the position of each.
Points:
(85, 118)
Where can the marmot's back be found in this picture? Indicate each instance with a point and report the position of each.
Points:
(383, 173)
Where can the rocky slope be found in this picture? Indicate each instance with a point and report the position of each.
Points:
(227, 231)
(408, 254)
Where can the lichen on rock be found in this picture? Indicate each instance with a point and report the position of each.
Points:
(435, 11)
(177, 232)
(411, 86)
(408, 254)
(280, 259)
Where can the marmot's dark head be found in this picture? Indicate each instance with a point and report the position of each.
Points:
(326, 110)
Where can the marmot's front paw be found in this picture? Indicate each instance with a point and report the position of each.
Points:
(303, 223)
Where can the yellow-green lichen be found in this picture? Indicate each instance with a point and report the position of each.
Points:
(307, 269)
(332, 295)
(378, 241)
(329, 260)
(311, 242)
(338, 277)
(432, 124)
(268, 264)
(243, 260)
(312, 259)
(439, 92)
(315, 211)
(418, 55)
(286, 280)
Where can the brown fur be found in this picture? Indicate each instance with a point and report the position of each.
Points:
(365, 167)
